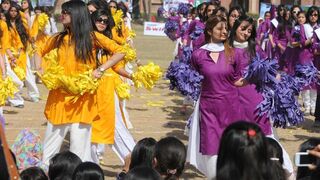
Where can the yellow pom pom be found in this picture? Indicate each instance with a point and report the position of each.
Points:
(43, 20)
(117, 18)
(75, 85)
(20, 72)
(147, 75)
(132, 34)
(50, 77)
(7, 89)
(131, 53)
(123, 91)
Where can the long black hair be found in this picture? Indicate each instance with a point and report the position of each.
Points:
(243, 153)
(310, 11)
(107, 32)
(201, 16)
(275, 154)
(80, 29)
(283, 24)
(251, 50)
(62, 165)
(18, 23)
(239, 9)
(170, 154)
(143, 153)
(88, 170)
(98, 4)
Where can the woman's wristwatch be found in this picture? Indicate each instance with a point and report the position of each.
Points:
(101, 69)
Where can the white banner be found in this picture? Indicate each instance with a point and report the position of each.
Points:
(167, 4)
(154, 29)
(46, 2)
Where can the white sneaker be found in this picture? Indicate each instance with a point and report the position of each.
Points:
(35, 99)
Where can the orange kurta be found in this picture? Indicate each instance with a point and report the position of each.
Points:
(59, 108)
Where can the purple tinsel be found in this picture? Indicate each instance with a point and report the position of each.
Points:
(281, 104)
(196, 33)
(186, 55)
(170, 29)
(306, 75)
(184, 79)
(279, 101)
(262, 73)
(183, 9)
(161, 11)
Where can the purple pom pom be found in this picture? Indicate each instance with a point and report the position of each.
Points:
(262, 73)
(170, 29)
(161, 11)
(196, 33)
(306, 75)
(186, 80)
(280, 103)
(186, 55)
(183, 9)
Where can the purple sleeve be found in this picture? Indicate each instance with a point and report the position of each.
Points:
(316, 43)
(191, 28)
(238, 66)
(275, 35)
(194, 60)
(303, 37)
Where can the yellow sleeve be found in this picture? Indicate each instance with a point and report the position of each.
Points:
(24, 21)
(34, 28)
(115, 37)
(125, 31)
(48, 46)
(5, 42)
(15, 41)
(118, 66)
(106, 43)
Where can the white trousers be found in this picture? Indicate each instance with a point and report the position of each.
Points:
(30, 81)
(17, 99)
(80, 140)
(207, 164)
(123, 140)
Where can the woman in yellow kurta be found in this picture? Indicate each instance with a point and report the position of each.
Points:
(103, 130)
(76, 48)
(19, 41)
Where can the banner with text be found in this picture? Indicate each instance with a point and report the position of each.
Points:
(154, 29)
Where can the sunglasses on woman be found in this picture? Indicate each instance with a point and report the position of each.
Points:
(102, 21)
(64, 12)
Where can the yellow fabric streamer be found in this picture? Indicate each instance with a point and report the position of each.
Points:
(147, 75)
(117, 18)
(131, 53)
(123, 90)
(20, 72)
(132, 34)
(7, 89)
(76, 84)
(43, 20)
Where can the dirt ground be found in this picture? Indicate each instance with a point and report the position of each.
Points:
(153, 114)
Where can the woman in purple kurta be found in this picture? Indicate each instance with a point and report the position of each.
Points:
(219, 102)
(242, 43)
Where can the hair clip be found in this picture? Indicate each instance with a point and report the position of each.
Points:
(172, 171)
(251, 132)
(274, 159)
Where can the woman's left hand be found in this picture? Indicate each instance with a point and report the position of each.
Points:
(97, 73)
